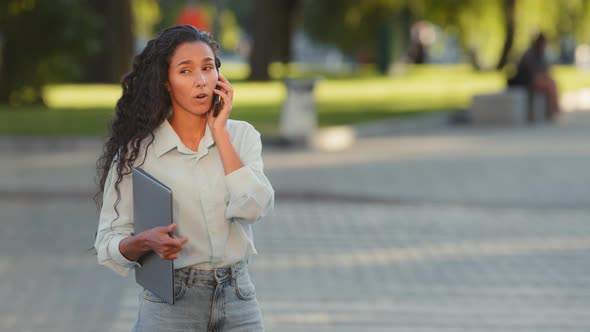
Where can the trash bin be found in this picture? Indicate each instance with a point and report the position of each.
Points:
(298, 120)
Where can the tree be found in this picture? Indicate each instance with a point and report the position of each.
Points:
(375, 31)
(115, 52)
(489, 31)
(509, 8)
(42, 42)
(273, 26)
(349, 25)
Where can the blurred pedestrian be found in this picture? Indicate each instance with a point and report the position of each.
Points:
(422, 36)
(164, 123)
(533, 73)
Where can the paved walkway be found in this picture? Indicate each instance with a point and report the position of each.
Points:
(456, 229)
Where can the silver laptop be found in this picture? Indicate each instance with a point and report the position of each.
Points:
(152, 207)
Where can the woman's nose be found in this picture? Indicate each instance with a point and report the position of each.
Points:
(200, 80)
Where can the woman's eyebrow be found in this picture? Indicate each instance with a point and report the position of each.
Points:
(188, 61)
(184, 62)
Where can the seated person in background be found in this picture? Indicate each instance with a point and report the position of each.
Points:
(533, 73)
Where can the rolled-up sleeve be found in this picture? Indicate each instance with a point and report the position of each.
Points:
(113, 228)
(251, 196)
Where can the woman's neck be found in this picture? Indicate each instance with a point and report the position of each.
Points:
(190, 128)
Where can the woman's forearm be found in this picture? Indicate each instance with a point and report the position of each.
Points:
(158, 239)
(229, 157)
(133, 247)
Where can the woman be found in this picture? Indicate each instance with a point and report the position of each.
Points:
(533, 73)
(164, 124)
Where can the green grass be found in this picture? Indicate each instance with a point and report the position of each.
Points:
(38, 121)
(85, 110)
(570, 79)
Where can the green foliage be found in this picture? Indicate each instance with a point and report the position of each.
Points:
(229, 36)
(242, 11)
(352, 25)
(169, 11)
(481, 27)
(481, 24)
(230, 31)
(574, 16)
(146, 14)
(42, 42)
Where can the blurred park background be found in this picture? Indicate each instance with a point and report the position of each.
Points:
(414, 225)
(62, 60)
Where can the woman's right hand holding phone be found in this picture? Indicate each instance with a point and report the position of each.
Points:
(225, 91)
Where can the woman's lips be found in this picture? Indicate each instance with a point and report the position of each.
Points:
(201, 97)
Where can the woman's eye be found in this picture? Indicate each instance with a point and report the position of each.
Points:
(208, 68)
(185, 71)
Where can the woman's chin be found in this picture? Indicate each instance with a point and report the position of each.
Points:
(199, 111)
(192, 109)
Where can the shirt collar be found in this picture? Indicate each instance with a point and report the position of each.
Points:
(166, 139)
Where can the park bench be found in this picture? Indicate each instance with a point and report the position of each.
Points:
(513, 106)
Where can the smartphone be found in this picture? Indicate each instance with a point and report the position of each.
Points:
(216, 97)
(216, 102)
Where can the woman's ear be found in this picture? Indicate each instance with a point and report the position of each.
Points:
(167, 85)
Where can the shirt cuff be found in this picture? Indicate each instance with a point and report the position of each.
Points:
(116, 255)
(240, 181)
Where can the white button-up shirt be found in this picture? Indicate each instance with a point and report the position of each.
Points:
(215, 211)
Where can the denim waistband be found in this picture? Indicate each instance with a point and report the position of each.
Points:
(229, 273)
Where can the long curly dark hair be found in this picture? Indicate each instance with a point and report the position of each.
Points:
(144, 104)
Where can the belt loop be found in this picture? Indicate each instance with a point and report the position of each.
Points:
(243, 267)
(217, 282)
(191, 275)
(233, 275)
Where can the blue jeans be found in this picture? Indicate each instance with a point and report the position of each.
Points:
(223, 299)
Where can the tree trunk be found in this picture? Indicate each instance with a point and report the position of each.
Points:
(15, 76)
(114, 58)
(286, 28)
(509, 8)
(384, 46)
(274, 24)
(122, 41)
(95, 66)
(5, 73)
(262, 48)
